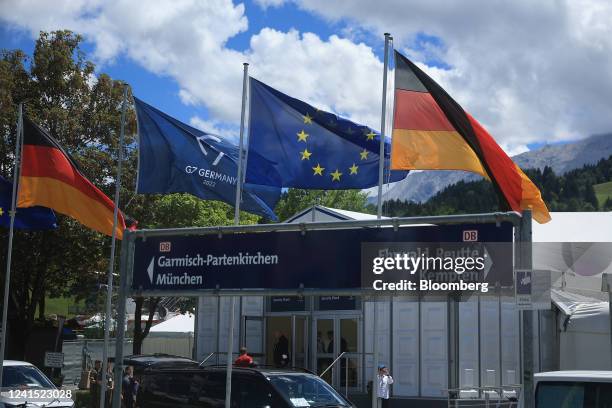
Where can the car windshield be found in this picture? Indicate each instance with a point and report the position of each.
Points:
(303, 390)
(576, 394)
(23, 377)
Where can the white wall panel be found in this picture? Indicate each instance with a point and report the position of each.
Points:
(405, 348)
(434, 348)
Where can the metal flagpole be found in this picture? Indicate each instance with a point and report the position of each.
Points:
(239, 179)
(7, 277)
(120, 336)
(240, 153)
(111, 262)
(381, 152)
(525, 261)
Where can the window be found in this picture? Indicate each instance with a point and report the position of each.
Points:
(24, 376)
(558, 394)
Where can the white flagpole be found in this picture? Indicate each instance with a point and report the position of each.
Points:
(7, 277)
(111, 263)
(381, 158)
(240, 144)
(239, 179)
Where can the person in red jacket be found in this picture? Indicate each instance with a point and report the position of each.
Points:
(244, 360)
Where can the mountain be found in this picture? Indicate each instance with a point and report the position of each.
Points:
(421, 185)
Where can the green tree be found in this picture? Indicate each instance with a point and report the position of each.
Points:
(81, 108)
(295, 200)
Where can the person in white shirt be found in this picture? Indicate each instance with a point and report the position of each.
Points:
(384, 381)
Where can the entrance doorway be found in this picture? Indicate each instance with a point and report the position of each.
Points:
(287, 341)
(333, 336)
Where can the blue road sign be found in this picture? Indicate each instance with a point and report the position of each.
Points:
(318, 259)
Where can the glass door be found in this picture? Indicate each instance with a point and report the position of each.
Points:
(349, 372)
(332, 337)
(300, 342)
(324, 343)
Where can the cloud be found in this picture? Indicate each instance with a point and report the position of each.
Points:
(186, 40)
(527, 70)
(264, 4)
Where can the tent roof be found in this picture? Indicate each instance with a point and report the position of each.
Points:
(575, 227)
(322, 213)
(177, 324)
(583, 313)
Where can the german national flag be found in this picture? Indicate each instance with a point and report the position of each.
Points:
(432, 132)
(50, 178)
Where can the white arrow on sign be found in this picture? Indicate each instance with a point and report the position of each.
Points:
(151, 268)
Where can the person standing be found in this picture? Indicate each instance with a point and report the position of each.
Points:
(130, 388)
(281, 350)
(382, 389)
(95, 376)
(244, 360)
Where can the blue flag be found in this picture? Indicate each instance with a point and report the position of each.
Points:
(293, 144)
(177, 158)
(32, 218)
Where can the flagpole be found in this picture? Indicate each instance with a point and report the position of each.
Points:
(230, 334)
(111, 262)
(7, 277)
(245, 78)
(381, 153)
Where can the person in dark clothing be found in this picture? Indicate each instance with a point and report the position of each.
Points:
(281, 350)
(130, 388)
(95, 376)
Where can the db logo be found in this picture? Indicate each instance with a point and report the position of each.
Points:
(165, 246)
(470, 235)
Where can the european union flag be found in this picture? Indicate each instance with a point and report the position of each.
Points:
(293, 144)
(32, 218)
(177, 158)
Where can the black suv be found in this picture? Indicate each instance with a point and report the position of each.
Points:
(251, 388)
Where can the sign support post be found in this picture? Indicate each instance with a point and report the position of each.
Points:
(525, 261)
(120, 337)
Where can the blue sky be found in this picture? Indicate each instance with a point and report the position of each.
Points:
(533, 73)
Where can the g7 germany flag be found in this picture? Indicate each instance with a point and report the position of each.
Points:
(432, 132)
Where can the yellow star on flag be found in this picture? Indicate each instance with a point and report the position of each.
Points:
(302, 136)
(1, 211)
(318, 171)
(308, 119)
(336, 175)
(364, 154)
(370, 135)
(306, 154)
(353, 169)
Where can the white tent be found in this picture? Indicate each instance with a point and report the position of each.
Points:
(584, 332)
(173, 336)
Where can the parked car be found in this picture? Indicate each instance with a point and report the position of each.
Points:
(255, 387)
(141, 362)
(573, 389)
(23, 383)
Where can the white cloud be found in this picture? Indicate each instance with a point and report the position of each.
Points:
(186, 40)
(529, 71)
(270, 3)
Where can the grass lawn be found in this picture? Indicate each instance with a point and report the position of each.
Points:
(603, 191)
(65, 306)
